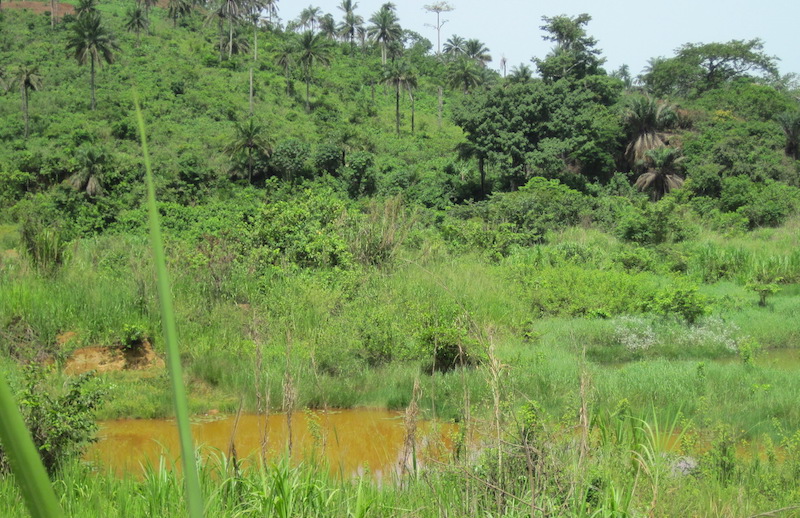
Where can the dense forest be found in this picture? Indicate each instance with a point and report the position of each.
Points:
(593, 274)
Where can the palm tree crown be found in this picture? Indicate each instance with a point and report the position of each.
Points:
(464, 73)
(385, 29)
(249, 140)
(476, 50)
(661, 176)
(454, 46)
(646, 119)
(27, 78)
(136, 21)
(90, 41)
(91, 165)
(790, 123)
(312, 49)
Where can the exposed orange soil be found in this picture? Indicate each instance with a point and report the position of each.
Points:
(40, 7)
(106, 359)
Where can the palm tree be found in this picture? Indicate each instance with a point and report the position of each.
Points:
(136, 21)
(285, 56)
(400, 75)
(230, 11)
(90, 41)
(645, 119)
(312, 49)
(91, 165)
(661, 176)
(254, 8)
(347, 6)
(520, 74)
(28, 79)
(476, 50)
(384, 29)
(271, 6)
(310, 16)
(464, 73)
(349, 28)
(790, 123)
(327, 26)
(249, 140)
(454, 46)
(147, 4)
(177, 9)
(85, 7)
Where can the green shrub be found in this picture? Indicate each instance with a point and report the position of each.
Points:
(572, 290)
(43, 244)
(61, 424)
(306, 231)
(681, 300)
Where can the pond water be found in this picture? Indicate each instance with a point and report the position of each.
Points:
(352, 442)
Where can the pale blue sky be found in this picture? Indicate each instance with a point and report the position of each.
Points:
(627, 31)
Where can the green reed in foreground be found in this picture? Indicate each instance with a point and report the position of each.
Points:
(192, 482)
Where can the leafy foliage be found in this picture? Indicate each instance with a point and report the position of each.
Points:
(61, 424)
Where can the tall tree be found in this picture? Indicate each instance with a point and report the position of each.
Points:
(53, 13)
(136, 20)
(327, 26)
(90, 41)
(661, 176)
(645, 119)
(309, 17)
(400, 75)
(271, 7)
(177, 9)
(700, 67)
(385, 29)
(312, 49)
(574, 54)
(350, 26)
(285, 57)
(230, 11)
(28, 79)
(439, 8)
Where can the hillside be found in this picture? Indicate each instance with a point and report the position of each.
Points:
(591, 278)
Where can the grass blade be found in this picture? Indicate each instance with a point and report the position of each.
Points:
(193, 495)
(28, 468)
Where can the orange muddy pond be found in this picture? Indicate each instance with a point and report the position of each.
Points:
(352, 442)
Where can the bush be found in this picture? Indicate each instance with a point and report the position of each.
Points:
(681, 300)
(44, 245)
(572, 290)
(61, 425)
(306, 231)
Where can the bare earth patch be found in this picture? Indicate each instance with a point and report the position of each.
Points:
(40, 7)
(107, 359)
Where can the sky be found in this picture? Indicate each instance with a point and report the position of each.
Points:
(628, 31)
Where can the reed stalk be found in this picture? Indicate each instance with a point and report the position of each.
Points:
(191, 480)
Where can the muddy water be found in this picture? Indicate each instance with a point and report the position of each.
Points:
(351, 441)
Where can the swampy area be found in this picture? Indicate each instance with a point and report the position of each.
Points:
(405, 283)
